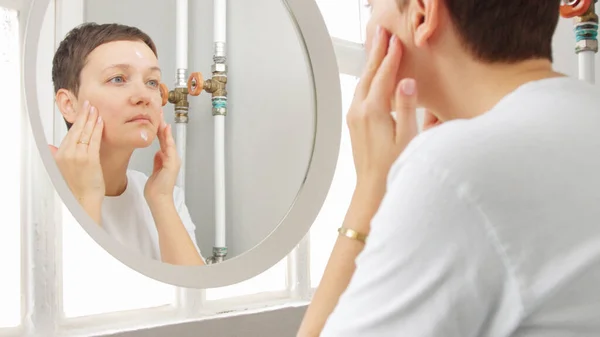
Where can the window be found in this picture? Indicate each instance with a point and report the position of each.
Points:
(10, 232)
(272, 280)
(344, 18)
(95, 283)
(324, 230)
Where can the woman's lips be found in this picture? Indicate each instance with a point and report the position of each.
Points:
(140, 119)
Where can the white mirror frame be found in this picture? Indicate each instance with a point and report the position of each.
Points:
(321, 59)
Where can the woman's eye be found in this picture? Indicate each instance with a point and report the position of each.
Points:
(153, 83)
(117, 79)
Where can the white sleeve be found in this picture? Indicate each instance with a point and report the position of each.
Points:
(429, 268)
(186, 218)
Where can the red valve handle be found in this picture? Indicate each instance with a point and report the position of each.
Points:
(195, 83)
(164, 94)
(578, 8)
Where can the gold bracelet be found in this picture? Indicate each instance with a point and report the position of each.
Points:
(352, 234)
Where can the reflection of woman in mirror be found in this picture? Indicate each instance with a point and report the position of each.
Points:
(106, 79)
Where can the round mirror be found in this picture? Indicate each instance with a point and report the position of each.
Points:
(252, 108)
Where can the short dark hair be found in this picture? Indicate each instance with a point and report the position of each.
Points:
(504, 31)
(72, 53)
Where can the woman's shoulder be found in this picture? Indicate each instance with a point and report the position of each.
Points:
(139, 179)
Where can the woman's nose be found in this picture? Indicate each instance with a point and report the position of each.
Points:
(141, 94)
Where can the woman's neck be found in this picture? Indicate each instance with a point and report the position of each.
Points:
(114, 168)
(474, 88)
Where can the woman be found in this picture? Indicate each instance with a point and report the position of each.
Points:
(106, 79)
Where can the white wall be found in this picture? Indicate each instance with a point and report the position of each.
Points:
(270, 123)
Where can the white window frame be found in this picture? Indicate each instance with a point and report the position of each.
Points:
(351, 59)
(13, 4)
(42, 208)
(25, 134)
(350, 56)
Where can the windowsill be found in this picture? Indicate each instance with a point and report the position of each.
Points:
(12, 4)
(168, 316)
(170, 319)
(11, 332)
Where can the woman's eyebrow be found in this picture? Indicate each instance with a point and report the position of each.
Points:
(127, 66)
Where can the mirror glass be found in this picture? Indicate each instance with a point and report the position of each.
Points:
(242, 171)
(236, 88)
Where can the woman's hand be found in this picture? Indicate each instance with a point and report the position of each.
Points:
(161, 183)
(78, 158)
(377, 141)
(377, 137)
(430, 120)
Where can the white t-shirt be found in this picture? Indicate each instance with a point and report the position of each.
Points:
(128, 219)
(490, 226)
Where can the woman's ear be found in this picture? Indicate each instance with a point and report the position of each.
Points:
(425, 20)
(67, 104)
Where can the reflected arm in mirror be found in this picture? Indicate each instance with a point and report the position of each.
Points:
(175, 241)
(341, 265)
(78, 159)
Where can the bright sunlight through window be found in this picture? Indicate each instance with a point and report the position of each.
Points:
(95, 283)
(323, 233)
(271, 280)
(342, 18)
(10, 180)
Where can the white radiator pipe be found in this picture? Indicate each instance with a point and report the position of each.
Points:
(586, 36)
(180, 143)
(220, 227)
(220, 21)
(181, 34)
(181, 64)
(587, 66)
(186, 298)
(220, 40)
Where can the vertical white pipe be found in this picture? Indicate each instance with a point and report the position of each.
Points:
(587, 69)
(220, 38)
(181, 64)
(180, 142)
(220, 23)
(181, 34)
(219, 181)
(188, 300)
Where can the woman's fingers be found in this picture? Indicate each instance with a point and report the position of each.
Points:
(96, 139)
(430, 120)
(168, 151)
(158, 162)
(170, 142)
(161, 136)
(85, 136)
(406, 109)
(53, 150)
(74, 133)
(385, 79)
(376, 56)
